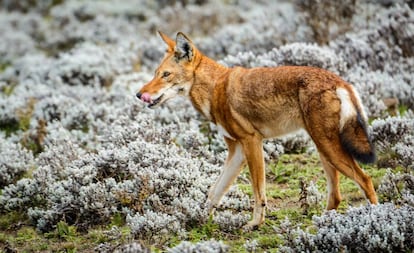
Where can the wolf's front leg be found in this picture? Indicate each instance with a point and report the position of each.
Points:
(231, 170)
(253, 149)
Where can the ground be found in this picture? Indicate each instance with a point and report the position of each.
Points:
(284, 193)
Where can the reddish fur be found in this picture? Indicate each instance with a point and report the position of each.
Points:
(258, 103)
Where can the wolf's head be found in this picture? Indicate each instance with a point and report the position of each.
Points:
(175, 75)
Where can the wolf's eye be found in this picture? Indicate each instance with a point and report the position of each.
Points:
(166, 74)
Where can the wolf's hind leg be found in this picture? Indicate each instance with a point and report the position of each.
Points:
(334, 157)
(332, 176)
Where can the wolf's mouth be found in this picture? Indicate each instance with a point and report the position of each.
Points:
(156, 101)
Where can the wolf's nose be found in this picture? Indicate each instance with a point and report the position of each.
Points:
(144, 97)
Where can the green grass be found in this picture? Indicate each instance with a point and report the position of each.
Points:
(283, 191)
(64, 238)
(23, 123)
(8, 90)
(9, 127)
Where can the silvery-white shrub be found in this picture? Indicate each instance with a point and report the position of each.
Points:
(137, 171)
(134, 247)
(395, 134)
(298, 54)
(212, 246)
(327, 19)
(15, 160)
(24, 193)
(313, 196)
(18, 34)
(262, 28)
(27, 5)
(251, 245)
(397, 188)
(377, 228)
(229, 221)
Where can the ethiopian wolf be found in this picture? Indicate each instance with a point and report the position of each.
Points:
(249, 105)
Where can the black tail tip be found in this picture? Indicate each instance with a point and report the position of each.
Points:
(366, 158)
(362, 151)
(356, 140)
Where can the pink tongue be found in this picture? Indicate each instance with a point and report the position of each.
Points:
(146, 97)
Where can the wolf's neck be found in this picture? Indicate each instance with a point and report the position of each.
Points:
(207, 73)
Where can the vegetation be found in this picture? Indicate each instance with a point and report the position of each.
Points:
(284, 179)
(85, 167)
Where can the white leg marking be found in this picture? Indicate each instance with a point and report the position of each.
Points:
(230, 171)
(329, 187)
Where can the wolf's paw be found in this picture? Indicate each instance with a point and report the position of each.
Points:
(208, 211)
(251, 226)
(210, 207)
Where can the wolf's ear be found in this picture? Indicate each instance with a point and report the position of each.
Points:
(183, 47)
(170, 42)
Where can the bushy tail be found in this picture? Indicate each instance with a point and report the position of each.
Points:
(355, 139)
